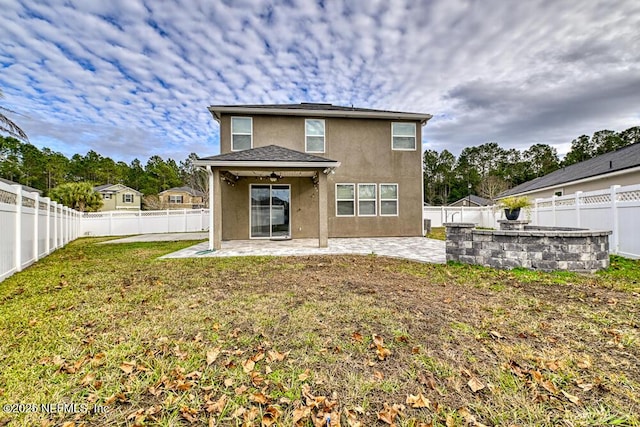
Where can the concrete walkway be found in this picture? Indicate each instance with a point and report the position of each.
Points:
(159, 237)
(413, 248)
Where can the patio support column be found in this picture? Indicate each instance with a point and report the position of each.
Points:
(211, 221)
(323, 217)
(217, 210)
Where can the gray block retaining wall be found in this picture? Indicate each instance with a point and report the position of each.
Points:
(535, 248)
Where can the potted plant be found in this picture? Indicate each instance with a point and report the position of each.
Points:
(512, 206)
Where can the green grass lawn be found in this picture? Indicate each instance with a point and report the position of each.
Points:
(365, 340)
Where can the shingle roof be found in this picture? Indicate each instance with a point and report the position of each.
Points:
(624, 158)
(184, 189)
(103, 187)
(480, 201)
(319, 109)
(269, 153)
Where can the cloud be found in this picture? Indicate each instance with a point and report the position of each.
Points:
(130, 78)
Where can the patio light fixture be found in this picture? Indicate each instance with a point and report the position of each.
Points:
(274, 177)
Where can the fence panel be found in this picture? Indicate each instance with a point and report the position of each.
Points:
(144, 222)
(616, 209)
(29, 228)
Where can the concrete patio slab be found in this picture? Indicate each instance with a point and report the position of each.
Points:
(419, 249)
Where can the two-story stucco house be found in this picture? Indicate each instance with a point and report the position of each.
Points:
(117, 197)
(315, 171)
(182, 198)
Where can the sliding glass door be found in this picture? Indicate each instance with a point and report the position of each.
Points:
(270, 211)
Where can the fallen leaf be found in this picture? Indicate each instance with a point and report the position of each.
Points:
(240, 390)
(88, 379)
(571, 397)
(305, 375)
(357, 336)
(127, 367)
(238, 412)
(496, 334)
(270, 415)
(475, 384)
(389, 414)
(228, 382)
(418, 401)
(378, 375)
(212, 355)
(300, 414)
(586, 386)
(352, 419)
(260, 398)
(276, 356)
(248, 365)
(218, 406)
(548, 385)
(584, 363)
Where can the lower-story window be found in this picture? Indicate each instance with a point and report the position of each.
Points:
(367, 199)
(175, 199)
(345, 200)
(388, 199)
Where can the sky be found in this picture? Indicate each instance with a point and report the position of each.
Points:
(131, 78)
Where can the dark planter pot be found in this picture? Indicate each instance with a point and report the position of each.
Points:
(512, 214)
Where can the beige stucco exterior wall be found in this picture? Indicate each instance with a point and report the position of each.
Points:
(303, 217)
(363, 146)
(600, 183)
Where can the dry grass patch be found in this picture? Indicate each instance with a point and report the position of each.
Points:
(282, 341)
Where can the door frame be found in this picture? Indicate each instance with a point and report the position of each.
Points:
(270, 236)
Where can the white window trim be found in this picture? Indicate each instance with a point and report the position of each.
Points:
(175, 196)
(374, 200)
(239, 133)
(415, 137)
(397, 199)
(324, 136)
(346, 200)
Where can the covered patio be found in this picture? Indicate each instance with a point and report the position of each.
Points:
(251, 195)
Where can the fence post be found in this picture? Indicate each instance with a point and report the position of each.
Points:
(110, 223)
(168, 222)
(553, 209)
(47, 241)
(443, 218)
(18, 230)
(184, 212)
(55, 226)
(36, 231)
(577, 205)
(139, 214)
(614, 216)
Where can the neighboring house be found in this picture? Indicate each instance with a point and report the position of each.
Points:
(118, 197)
(182, 198)
(620, 167)
(472, 200)
(24, 187)
(315, 171)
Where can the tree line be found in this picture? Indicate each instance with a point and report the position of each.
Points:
(45, 169)
(488, 169)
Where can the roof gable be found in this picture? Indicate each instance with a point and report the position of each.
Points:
(114, 188)
(184, 189)
(624, 158)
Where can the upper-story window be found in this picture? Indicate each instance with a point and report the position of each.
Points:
(314, 135)
(127, 198)
(403, 136)
(106, 196)
(241, 133)
(175, 199)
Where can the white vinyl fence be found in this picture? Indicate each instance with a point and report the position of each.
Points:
(483, 216)
(120, 223)
(31, 227)
(616, 209)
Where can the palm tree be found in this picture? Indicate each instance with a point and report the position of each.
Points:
(8, 126)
